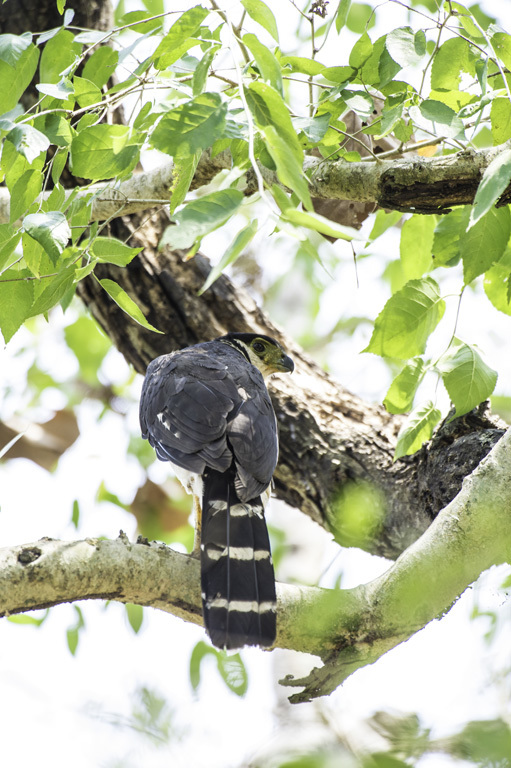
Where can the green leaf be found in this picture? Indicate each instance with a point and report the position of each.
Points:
(382, 222)
(200, 217)
(360, 52)
(126, 303)
(16, 298)
(497, 284)
(135, 615)
(289, 170)
(50, 230)
(233, 672)
(58, 130)
(495, 179)
(73, 633)
(483, 244)
(87, 93)
(182, 175)
(447, 238)
(268, 65)
(200, 76)
(54, 290)
(16, 79)
(59, 162)
(302, 64)
(28, 141)
(191, 127)
(467, 378)
(176, 42)
(75, 515)
(269, 109)
(442, 116)
(416, 245)
(58, 56)
(339, 75)
(12, 47)
(201, 649)
(380, 69)
(104, 151)
(261, 14)
(230, 667)
(32, 254)
(24, 192)
(405, 46)
(342, 14)
(404, 325)
(501, 42)
(450, 60)
(9, 239)
(28, 619)
(238, 245)
(112, 251)
(361, 17)
(62, 90)
(401, 393)
(314, 128)
(500, 115)
(319, 223)
(100, 67)
(417, 429)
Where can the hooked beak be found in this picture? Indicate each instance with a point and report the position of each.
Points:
(285, 365)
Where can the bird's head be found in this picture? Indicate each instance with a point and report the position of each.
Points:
(264, 352)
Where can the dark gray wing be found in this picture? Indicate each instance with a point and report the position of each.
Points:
(186, 399)
(207, 405)
(253, 436)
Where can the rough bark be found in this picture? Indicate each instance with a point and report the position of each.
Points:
(413, 184)
(348, 629)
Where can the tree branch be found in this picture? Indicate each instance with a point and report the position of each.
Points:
(414, 184)
(348, 629)
(471, 534)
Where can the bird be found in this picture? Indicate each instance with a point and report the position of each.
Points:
(206, 410)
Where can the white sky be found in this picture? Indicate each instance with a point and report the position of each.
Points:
(48, 697)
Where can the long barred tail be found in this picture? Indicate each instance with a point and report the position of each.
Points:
(237, 578)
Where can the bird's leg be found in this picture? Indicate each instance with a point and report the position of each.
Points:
(198, 526)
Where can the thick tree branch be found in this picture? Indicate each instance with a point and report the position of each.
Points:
(471, 534)
(349, 629)
(414, 184)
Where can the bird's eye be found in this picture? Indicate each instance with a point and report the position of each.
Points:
(258, 347)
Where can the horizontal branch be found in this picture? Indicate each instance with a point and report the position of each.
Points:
(50, 572)
(348, 629)
(139, 193)
(415, 184)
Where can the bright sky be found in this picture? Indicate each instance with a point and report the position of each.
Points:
(55, 709)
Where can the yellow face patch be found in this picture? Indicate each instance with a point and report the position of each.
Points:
(269, 356)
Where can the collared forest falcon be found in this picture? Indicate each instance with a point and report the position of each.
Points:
(207, 411)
